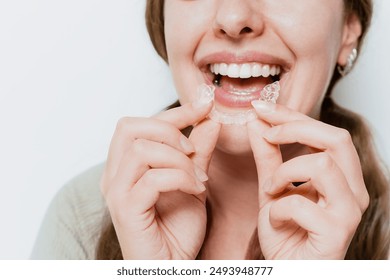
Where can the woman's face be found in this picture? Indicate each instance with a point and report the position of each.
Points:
(230, 43)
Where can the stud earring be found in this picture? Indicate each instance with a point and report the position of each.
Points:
(344, 70)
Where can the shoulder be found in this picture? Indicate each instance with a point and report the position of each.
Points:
(82, 193)
(82, 197)
(74, 219)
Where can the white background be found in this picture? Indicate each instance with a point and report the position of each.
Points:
(70, 69)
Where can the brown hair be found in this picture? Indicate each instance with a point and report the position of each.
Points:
(372, 238)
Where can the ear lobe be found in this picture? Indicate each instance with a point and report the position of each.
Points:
(351, 34)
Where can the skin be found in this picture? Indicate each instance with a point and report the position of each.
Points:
(152, 182)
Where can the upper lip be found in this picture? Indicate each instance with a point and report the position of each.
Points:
(239, 58)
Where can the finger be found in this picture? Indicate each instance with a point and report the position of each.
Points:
(325, 176)
(188, 114)
(155, 181)
(204, 137)
(267, 156)
(160, 129)
(335, 141)
(329, 234)
(130, 129)
(275, 113)
(301, 211)
(144, 155)
(311, 133)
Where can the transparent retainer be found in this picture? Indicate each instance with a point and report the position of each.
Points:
(270, 93)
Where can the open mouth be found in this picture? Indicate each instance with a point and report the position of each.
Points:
(239, 84)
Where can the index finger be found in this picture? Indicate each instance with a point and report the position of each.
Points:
(189, 113)
(267, 156)
(277, 114)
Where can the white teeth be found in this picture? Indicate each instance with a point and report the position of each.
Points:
(256, 70)
(272, 71)
(245, 70)
(214, 68)
(233, 71)
(265, 71)
(223, 69)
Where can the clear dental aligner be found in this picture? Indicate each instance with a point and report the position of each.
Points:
(269, 93)
(240, 118)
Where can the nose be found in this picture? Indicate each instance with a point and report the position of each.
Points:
(238, 19)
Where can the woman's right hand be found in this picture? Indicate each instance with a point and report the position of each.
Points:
(153, 182)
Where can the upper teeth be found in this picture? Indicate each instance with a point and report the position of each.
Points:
(245, 70)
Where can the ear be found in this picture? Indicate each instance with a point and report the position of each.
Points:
(351, 34)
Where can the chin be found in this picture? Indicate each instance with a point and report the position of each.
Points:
(233, 140)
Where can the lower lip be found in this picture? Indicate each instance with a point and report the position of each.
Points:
(232, 100)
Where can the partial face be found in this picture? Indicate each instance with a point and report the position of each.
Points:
(241, 46)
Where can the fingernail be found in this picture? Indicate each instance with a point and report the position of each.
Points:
(263, 107)
(270, 133)
(205, 96)
(267, 185)
(186, 145)
(201, 187)
(200, 174)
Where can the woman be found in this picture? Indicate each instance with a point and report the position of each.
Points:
(300, 181)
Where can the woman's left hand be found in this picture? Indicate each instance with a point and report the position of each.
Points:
(318, 219)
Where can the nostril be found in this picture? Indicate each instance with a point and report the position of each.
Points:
(223, 32)
(235, 33)
(246, 30)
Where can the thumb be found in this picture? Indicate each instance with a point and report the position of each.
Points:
(267, 157)
(204, 137)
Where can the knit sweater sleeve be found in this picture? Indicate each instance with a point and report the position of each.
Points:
(73, 222)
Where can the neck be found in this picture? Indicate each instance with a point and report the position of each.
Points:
(232, 196)
(233, 206)
(233, 184)
(233, 187)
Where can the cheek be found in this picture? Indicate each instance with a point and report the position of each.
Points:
(308, 40)
(314, 39)
(185, 23)
(307, 27)
(184, 27)
(179, 56)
